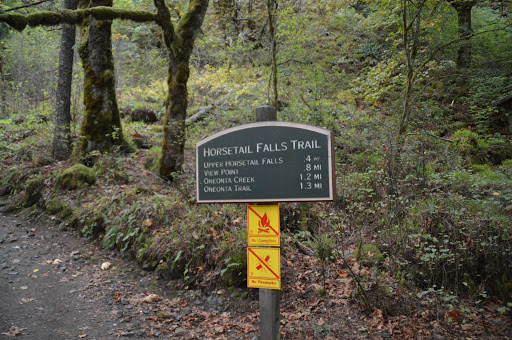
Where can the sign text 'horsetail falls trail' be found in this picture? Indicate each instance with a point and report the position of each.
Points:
(266, 162)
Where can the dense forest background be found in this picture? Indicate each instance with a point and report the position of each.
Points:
(416, 93)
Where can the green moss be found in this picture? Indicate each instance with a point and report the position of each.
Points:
(44, 18)
(55, 206)
(33, 191)
(469, 145)
(15, 20)
(369, 254)
(41, 160)
(76, 176)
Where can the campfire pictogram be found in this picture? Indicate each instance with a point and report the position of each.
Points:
(264, 224)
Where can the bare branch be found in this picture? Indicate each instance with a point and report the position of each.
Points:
(25, 6)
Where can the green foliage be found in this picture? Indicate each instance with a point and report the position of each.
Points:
(460, 243)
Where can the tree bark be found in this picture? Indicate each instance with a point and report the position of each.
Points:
(271, 5)
(3, 96)
(61, 139)
(410, 37)
(180, 43)
(463, 8)
(101, 126)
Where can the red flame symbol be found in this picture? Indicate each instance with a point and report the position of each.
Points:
(264, 224)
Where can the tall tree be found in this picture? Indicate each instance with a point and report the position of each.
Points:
(101, 126)
(4, 31)
(62, 139)
(180, 43)
(271, 7)
(411, 26)
(3, 96)
(463, 9)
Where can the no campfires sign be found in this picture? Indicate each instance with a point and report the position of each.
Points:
(263, 225)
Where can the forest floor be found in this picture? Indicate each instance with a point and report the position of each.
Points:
(55, 284)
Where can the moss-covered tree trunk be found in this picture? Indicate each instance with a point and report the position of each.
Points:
(3, 96)
(61, 139)
(174, 121)
(180, 43)
(463, 8)
(101, 126)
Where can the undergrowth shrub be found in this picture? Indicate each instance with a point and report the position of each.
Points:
(460, 244)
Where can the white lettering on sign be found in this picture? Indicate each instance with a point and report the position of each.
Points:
(241, 163)
(227, 150)
(259, 147)
(225, 180)
(218, 189)
(272, 161)
(304, 145)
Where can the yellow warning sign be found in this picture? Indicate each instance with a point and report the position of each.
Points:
(263, 225)
(264, 268)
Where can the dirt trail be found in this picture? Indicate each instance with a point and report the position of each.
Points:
(52, 286)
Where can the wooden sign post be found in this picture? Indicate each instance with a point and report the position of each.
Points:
(267, 161)
(269, 299)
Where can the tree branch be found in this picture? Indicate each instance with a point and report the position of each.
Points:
(205, 110)
(163, 19)
(50, 18)
(190, 23)
(25, 6)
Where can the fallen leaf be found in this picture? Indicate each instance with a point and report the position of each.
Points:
(467, 327)
(35, 270)
(106, 265)
(14, 331)
(342, 273)
(454, 315)
(152, 298)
